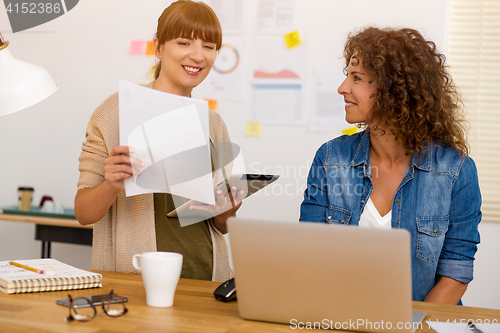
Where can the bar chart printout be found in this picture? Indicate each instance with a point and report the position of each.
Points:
(278, 98)
(278, 77)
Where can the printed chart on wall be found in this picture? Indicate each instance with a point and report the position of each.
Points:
(328, 107)
(226, 81)
(278, 76)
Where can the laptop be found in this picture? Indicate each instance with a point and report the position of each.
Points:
(312, 275)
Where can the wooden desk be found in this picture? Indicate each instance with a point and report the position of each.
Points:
(54, 229)
(194, 310)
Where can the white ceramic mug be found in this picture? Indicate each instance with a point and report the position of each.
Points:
(160, 272)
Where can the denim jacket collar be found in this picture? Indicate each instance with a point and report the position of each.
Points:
(422, 161)
(362, 155)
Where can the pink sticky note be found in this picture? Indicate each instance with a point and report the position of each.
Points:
(136, 47)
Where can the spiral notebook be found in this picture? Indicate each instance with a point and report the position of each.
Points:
(15, 280)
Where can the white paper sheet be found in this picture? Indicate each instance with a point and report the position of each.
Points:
(278, 80)
(328, 107)
(490, 326)
(278, 104)
(276, 16)
(170, 134)
(231, 15)
(9, 272)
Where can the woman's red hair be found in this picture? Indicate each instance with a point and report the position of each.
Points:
(186, 18)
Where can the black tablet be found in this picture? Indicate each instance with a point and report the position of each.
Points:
(249, 183)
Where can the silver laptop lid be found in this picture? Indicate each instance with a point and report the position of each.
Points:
(339, 277)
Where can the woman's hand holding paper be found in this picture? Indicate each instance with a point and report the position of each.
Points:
(119, 166)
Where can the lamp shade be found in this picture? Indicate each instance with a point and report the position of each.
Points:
(22, 84)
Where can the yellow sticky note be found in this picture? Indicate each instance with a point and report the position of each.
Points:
(292, 39)
(150, 48)
(152, 71)
(212, 104)
(254, 128)
(350, 130)
(136, 47)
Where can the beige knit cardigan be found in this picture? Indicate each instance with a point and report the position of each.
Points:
(128, 227)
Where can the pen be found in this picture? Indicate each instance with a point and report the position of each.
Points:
(39, 271)
(474, 328)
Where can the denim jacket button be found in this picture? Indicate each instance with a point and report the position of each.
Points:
(362, 201)
(342, 221)
(397, 201)
(329, 217)
(435, 230)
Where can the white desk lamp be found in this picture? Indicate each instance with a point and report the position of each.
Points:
(21, 84)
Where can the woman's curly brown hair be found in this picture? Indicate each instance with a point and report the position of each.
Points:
(416, 98)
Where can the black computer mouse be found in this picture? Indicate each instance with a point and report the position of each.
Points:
(226, 292)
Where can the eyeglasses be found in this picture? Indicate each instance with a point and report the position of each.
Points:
(83, 308)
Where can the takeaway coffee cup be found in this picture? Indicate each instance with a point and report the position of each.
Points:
(160, 272)
(25, 195)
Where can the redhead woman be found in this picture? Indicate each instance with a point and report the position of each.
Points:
(409, 168)
(187, 39)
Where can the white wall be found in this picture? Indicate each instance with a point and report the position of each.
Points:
(86, 51)
(484, 290)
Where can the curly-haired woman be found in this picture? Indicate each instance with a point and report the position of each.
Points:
(409, 168)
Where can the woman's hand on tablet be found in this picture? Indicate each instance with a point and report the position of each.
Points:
(224, 208)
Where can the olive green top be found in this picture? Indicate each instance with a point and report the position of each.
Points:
(193, 241)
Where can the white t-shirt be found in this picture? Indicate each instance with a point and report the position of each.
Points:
(370, 218)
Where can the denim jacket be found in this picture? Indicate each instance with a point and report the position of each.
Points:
(438, 202)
